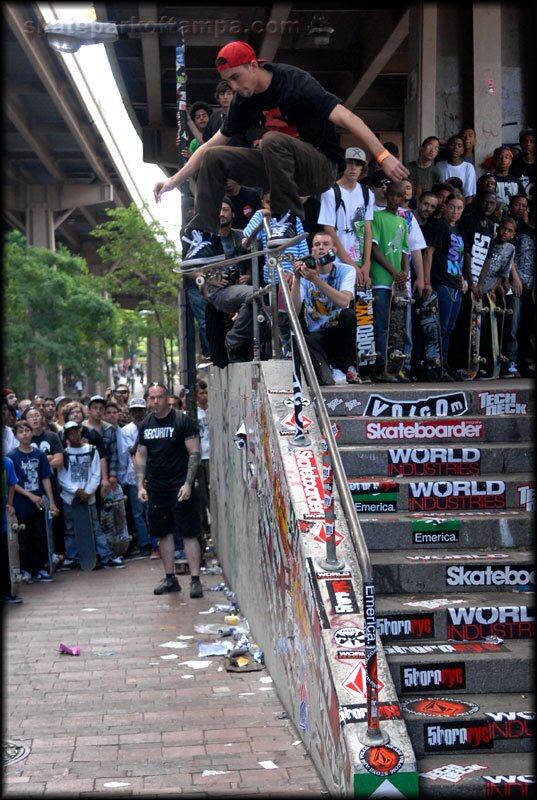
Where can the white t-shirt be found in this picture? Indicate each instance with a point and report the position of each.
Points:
(351, 210)
(464, 171)
(203, 425)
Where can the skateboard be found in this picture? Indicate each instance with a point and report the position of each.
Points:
(493, 360)
(15, 573)
(215, 267)
(395, 339)
(114, 521)
(53, 560)
(475, 359)
(502, 312)
(84, 534)
(427, 313)
(366, 355)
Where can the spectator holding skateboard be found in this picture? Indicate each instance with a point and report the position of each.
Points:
(389, 265)
(80, 476)
(9, 481)
(34, 473)
(321, 292)
(445, 243)
(167, 462)
(303, 160)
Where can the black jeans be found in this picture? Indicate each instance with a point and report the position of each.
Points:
(287, 166)
(333, 346)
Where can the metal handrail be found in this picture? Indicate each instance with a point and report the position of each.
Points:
(374, 734)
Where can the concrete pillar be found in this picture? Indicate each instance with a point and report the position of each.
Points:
(420, 111)
(487, 83)
(155, 359)
(40, 226)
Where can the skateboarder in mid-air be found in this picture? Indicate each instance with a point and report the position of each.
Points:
(304, 160)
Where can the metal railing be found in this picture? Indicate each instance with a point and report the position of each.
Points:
(302, 360)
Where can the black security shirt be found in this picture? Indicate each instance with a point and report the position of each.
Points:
(167, 456)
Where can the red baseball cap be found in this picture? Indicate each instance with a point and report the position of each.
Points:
(235, 54)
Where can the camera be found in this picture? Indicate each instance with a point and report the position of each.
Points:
(313, 263)
(233, 274)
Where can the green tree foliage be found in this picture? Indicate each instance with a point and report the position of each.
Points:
(55, 313)
(141, 259)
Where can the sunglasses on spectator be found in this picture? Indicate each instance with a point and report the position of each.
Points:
(122, 391)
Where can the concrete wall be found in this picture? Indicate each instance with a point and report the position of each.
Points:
(270, 557)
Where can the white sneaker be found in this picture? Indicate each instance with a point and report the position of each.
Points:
(338, 376)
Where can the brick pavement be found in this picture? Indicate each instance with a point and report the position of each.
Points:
(120, 713)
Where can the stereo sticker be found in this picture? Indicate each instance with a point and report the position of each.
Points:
(435, 530)
(351, 638)
(505, 622)
(433, 429)
(453, 404)
(425, 462)
(454, 773)
(508, 575)
(499, 403)
(455, 495)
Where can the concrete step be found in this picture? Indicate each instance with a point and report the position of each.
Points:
(498, 723)
(435, 461)
(418, 623)
(444, 571)
(509, 528)
(374, 494)
(477, 775)
(472, 672)
(434, 431)
(471, 398)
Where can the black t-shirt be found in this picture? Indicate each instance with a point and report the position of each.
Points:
(215, 124)
(526, 173)
(507, 186)
(294, 103)
(477, 240)
(448, 255)
(48, 442)
(245, 204)
(167, 456)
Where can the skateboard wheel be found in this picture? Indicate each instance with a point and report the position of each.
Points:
(260, 318)
(200, 280)
(272, 261)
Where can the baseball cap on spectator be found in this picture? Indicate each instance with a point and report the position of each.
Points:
(235, 54)
(60, 398)
(97, 398)
(379, 178)
(71, 424)
(526, 132)
(355, 154)
(137, 402)
(501, 148)
(7, 391)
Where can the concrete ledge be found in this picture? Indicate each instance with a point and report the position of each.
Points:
(271, 553)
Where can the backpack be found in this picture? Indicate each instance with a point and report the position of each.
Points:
(340, 202)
